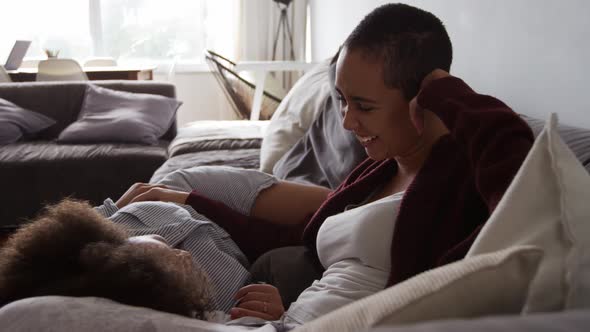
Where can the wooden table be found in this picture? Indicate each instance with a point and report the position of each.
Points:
(135, 73)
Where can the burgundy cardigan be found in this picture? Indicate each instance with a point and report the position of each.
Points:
(445, 206)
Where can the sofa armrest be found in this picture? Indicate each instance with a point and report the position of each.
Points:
(570, 321)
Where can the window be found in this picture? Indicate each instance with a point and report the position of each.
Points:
(57, 24)
(124, 29)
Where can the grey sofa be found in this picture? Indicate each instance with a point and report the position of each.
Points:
(59, 314)
(39, 171)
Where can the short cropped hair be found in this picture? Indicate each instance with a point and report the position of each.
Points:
(71, 250)
(409, 41)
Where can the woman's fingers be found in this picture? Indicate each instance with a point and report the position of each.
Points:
(260, 288)
(134, 191)
(236, 313)
(255, 296)
(264, 307)
(417, 115)
(432, 76)
(259, 300)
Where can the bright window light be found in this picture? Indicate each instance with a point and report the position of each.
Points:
(151, 30)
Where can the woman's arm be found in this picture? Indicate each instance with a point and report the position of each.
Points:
(496, 140)
(277, 219)
(288, 202)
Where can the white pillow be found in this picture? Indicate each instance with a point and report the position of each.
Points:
(295, 114)
(547, 205)
(494, 283)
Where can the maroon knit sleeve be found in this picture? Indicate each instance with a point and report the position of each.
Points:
(254, 236)
(496, 140)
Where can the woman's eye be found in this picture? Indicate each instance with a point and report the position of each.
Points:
(365, 108)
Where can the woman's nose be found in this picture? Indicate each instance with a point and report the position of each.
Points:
(349, 122)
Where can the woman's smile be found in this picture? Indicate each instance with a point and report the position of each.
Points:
(367, 140)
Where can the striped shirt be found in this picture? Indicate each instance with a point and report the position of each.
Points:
(210, 246)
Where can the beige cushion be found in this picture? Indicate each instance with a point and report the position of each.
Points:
(547, 206)
(294, 115)
(494, 283)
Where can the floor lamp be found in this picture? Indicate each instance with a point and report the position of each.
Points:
(285, 29)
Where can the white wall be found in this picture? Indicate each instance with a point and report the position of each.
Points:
(532, 54)
(201, 95)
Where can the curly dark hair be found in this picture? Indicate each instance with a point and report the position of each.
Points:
(71, 250)
(411, 43)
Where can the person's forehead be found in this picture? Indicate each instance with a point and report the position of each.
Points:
(148, 239)
(355, 70)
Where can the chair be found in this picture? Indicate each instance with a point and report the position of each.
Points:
(239, 91)
(60, 70)
(100, 62)
(4, 77)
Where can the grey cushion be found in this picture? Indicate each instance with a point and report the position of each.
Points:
(244, 158)
(62, 100)
(117, 116)
(16, 121)
(577, 139)
(566, 321)
(327, 153)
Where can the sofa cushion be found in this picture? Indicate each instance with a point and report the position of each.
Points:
(547, 205)
(490, 284)
(50, 152)
(35, 173)
(16, 121)
(295, 114)
(217, 135)
(577, 139)
(243, 158)
(563, 321)
(116, 116)
(327, 153)
(62, 101)
(59, 313)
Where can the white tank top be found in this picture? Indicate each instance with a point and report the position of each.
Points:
(354, 248)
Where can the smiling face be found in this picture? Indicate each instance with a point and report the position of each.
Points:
(378, 115)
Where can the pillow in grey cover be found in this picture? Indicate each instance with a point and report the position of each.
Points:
(576, 138)
(16, 122)
(118, 116)
(327, 153)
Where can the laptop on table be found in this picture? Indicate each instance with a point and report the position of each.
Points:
(15, 58)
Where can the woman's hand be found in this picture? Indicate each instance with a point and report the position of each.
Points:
(140, 192)
(423, 120)
(258, 300)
